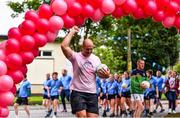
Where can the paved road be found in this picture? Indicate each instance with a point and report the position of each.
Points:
(39, 112)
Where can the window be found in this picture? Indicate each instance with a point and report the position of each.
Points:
(45, 53)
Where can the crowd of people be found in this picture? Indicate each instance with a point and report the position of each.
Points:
(90, 89)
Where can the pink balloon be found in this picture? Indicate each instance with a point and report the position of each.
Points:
(6, 83)
(56, 23)
(28, 57)
(88, 11)
(68, 21)
(16, 75)
(27, 42)
(40, 40)
(130, 6)
(45, 11)
(138, 14)
(2, 55)
(43, 25)
(3, 45)
(32, 15)
(3, 68)
(118, 12)
(14, 33)
(150, 7)
(177, 22)
(119, 2)
(4, 112)
(35, 51)
(168, 21)
(159, 16)
(13, 45)
(14, 61)
(14, 89)
(28, 27)
(75, 9)
(51, 36)
(24, 69)
(108, 6)
(80, 20)
(7, 100)
(98, 15)
(59, 7)
(69, 2)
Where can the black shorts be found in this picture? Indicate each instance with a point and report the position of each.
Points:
(103, 97)
(22, 101)
(126, 94)
(150, 95)
(118, 96)
(46, 97)
(112, 96)
(55, 97)
(84, 101)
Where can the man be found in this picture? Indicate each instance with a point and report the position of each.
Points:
(84, 101)
(65, 93)
(23, 94)
(54, 87)
(137, 76)
(46, 99)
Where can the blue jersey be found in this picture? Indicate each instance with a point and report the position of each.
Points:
(54, 86)
(66, 82)
(127, 81)
(45, 84)
(24, 88)
(98, 85)
(112, 87)
(159, 83)
(152, 87)
(104, 87)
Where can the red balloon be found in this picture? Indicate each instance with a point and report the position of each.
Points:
(14, 33)
(68, 21)
(88, 11)
(130, 6)
(28, 57)
(159, 16)
(177, 22)
(32, 15)
(108, 6)
(14, 61)
(98, 15)
(141, 3)
(118, 12)
(51, 36)
(6, 83)
(95, 3)
(28, 27)
(150, 7)
(45, 11)
(138, 14)
(16, 75)
(80, 20)
(4, 112)
(13, 45)
(35, 51)
(83, 2)
(56, 23)
(40, 40)
(75, 9)
(119, 2)
(69, 2)
(162, 4)
(43, 25)
(27, 42)
(59, 7)
(173, 7)
(7, 100)
(2, 55)
(168, 21)
(14, 89)
(3, 68)
(24, 69)
(3, 45)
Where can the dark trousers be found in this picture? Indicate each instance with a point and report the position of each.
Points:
(65, 94)
(171, 96)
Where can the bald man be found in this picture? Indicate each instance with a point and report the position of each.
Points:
(84, 101)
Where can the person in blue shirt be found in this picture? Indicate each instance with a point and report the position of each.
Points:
(125, 93)
(54, 88)
(46, 98)
(150, 93)
(98, 89)
(23, 94)
(112, 88)
(103, 96)
(160, 82)
(65, 93)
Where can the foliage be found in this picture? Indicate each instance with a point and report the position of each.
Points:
(177, 67)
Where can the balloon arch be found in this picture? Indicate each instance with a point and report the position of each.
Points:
(42, 26)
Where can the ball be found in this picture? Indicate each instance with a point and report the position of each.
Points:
(124, 85)
(146, 84)
(102, 67)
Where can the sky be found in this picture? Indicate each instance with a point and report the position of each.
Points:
(6, 21)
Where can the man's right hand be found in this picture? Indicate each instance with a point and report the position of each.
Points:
(75, 29)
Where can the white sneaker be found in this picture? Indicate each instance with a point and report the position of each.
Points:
(170, 111)
(174, 111)
(54, 116)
